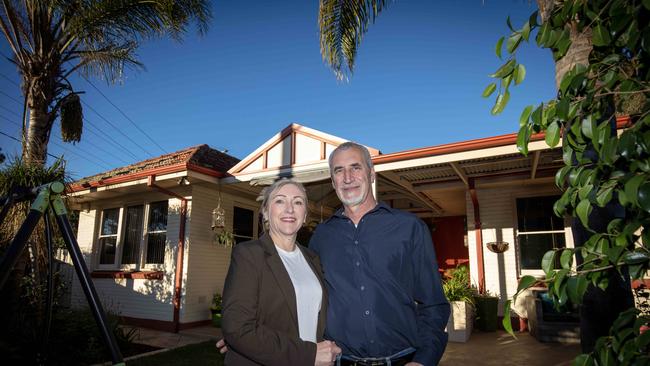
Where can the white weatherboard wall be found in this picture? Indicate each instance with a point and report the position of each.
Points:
(137, 298)
(207, 262)
(499, 222)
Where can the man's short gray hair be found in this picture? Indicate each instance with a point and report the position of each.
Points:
(351, 145)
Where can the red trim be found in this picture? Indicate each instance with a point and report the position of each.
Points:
(482, 143)
(293, 148)
(139, 275)
(144, 174)
(178, 274)
(479, 237)
(163, 325)
(637, 283)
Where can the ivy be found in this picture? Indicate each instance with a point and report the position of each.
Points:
(601, 120)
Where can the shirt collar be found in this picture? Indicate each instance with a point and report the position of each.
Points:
(340, 213)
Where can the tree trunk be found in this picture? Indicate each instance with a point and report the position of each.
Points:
(38, 132)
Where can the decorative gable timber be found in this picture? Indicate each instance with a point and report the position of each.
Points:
(295, 148)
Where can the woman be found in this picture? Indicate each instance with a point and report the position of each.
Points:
(274, 296)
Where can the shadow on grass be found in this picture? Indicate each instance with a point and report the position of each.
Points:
(194, 354)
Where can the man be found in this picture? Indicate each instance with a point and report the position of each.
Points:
(386, 305)
(385, 295)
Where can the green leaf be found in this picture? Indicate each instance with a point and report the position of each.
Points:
(552, 136)
(646, 4)
(523, 137)
(604, 195)
(584, 191)
(499, 46)
(500, 104)
(544, 34)
(583, 210)
(513, 42)
(489, 90)
(506, 319)
(520, 74)
(548, 263)
(632, 188)
(631, 258)
(504, 70)
(614, 253)
(600, 36)
(525, 114)
(588, 125)
(562, 109)
(572, 289)
(583, 360)
(643, 197)
(509, 23)
(566, 258)
(561, 175)
(559, 281)
(525, 282)
(525, 31)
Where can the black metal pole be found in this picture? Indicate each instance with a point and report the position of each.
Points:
(18, 244)
(49, 300)
(87, 284)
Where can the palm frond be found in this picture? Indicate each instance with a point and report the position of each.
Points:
(108, 61)
(342, 25)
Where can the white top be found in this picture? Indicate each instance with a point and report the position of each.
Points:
(309, 293)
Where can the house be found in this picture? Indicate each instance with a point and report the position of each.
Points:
(147, 236)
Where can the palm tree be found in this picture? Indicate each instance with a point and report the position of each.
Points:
(52, 39)
(342, 25)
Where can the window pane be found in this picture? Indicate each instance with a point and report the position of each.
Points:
(109, 221)
(132, 234)
(242, 223)
(157, 216)
(107, 250)
(533, 246)
(156, 247)
(536, 214)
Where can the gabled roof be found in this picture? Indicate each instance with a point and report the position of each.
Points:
(295, 145)
(201, 158)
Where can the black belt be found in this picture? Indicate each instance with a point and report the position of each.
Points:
(397, 361)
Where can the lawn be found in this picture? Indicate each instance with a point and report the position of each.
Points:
(194, 354)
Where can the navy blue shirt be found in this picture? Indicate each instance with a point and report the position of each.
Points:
(384, 288)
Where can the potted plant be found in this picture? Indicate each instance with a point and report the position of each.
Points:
(460, 294)
(487, 305)
(215, 309)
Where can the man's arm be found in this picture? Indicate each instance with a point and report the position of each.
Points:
(432, 306)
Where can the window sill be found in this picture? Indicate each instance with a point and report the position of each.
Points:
(146, 275)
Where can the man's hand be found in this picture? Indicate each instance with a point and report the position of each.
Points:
(326, 352)
(221, 345)
(414, 364)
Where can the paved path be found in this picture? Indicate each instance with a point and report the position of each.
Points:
(483, 348)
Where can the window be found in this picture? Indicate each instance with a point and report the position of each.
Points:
(108, 236)
(124, 240)
(538, 230)
(242, 225)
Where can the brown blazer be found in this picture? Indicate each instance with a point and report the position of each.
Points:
(260, 320)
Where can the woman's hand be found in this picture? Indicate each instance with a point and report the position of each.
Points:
(222, 346)
(326, 352)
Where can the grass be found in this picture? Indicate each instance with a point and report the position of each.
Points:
(194, 354)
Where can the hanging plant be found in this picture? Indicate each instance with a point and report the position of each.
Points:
(225, 238)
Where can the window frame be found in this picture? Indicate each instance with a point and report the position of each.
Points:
(121, 238)
(568, 238)
(255, 220)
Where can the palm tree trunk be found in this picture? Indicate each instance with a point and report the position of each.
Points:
(581, 44)
(38, 132)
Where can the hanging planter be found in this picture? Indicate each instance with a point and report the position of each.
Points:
(225, 238)
(498, 246)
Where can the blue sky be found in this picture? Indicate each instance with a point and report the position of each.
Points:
(418, 80)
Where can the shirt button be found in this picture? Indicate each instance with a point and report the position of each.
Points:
(356, 242)
(358, 264)
(372, 341)
(367, 312)
(363, 288)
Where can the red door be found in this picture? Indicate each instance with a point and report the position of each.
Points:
(448, 234)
